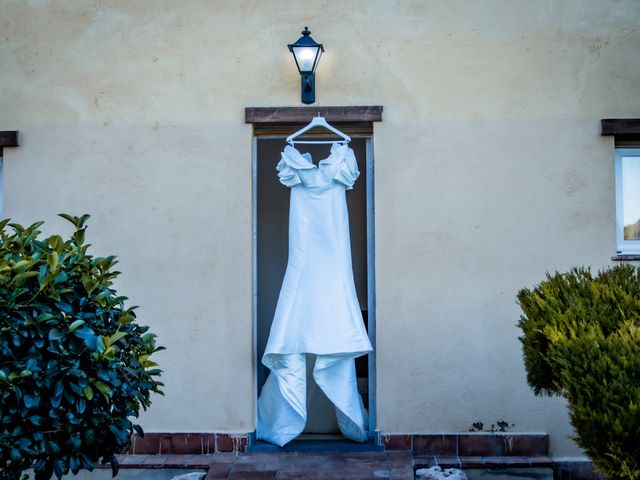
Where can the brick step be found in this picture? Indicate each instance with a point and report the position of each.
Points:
(504, 461)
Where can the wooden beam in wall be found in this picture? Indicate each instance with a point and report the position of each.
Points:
(620, 126)
(8, 138)
(261, 115)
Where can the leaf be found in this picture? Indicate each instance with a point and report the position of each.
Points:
(56, 242)
(22, 276)
(35, 420)
(138, 430)
(18, 228)
(79, 236)
(104, 389)
(148, 337)
(52, 261)
(45, 470)
(110, 353)
(59, 388)
(31, 401)
(23, 264)
(75, 325)
(100, 346)
(83, 218)
(86, 462)
(44, 317)
(126, 318)
(15, 455)
(57, 468)
(43, 278)
(116, 336)
(88, 282)
(55, 334)
(115, 466)
(75, 387)
(86, 334)
(70, 218)
(88, 392)
(61, 277)
(74, 464)
(64, 306)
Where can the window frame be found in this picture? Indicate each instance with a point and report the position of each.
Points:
(623, 247)
(8, 138)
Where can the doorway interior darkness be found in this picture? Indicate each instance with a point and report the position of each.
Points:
(271, 217)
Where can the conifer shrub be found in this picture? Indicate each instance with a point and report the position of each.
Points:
(581, 340)
(74, 364)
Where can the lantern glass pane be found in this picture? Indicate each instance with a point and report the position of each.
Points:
(306, 58)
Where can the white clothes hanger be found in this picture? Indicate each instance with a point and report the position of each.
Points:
(318, 122)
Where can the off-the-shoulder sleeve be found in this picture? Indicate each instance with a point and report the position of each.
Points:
(348, 171)
(288, 176)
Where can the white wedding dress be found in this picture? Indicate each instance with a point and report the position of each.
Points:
(318, 310)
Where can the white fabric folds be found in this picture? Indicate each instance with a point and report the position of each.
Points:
(317, 311)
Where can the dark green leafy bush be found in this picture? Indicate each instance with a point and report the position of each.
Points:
(582, 341)
(74, 364)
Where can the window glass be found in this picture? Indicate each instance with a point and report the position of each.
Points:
(631, 197)
(1, 188)
(628, 200)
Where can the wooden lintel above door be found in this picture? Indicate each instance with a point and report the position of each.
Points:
(283, 121)
(271, 115)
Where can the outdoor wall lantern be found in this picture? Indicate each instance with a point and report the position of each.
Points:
(306, 53)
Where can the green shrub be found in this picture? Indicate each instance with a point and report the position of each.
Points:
(582, 341)
(74, 364)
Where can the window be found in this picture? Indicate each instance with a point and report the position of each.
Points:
(628, 201)
(1, 188)
(8, 138)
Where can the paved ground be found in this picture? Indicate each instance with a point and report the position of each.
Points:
(287, 465)
(311, 465)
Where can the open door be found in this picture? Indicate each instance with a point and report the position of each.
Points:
(271, 217)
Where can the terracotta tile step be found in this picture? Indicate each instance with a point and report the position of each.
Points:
(448, 461)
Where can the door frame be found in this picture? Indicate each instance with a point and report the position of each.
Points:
(371, 277)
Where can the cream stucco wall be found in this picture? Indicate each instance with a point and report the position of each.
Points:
(490, 170)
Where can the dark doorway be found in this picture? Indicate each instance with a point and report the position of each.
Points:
(271, 225)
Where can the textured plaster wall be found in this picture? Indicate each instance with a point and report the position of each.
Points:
(490, 170)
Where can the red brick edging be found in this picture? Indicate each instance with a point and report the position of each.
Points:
(187, 443)
(486, 444)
